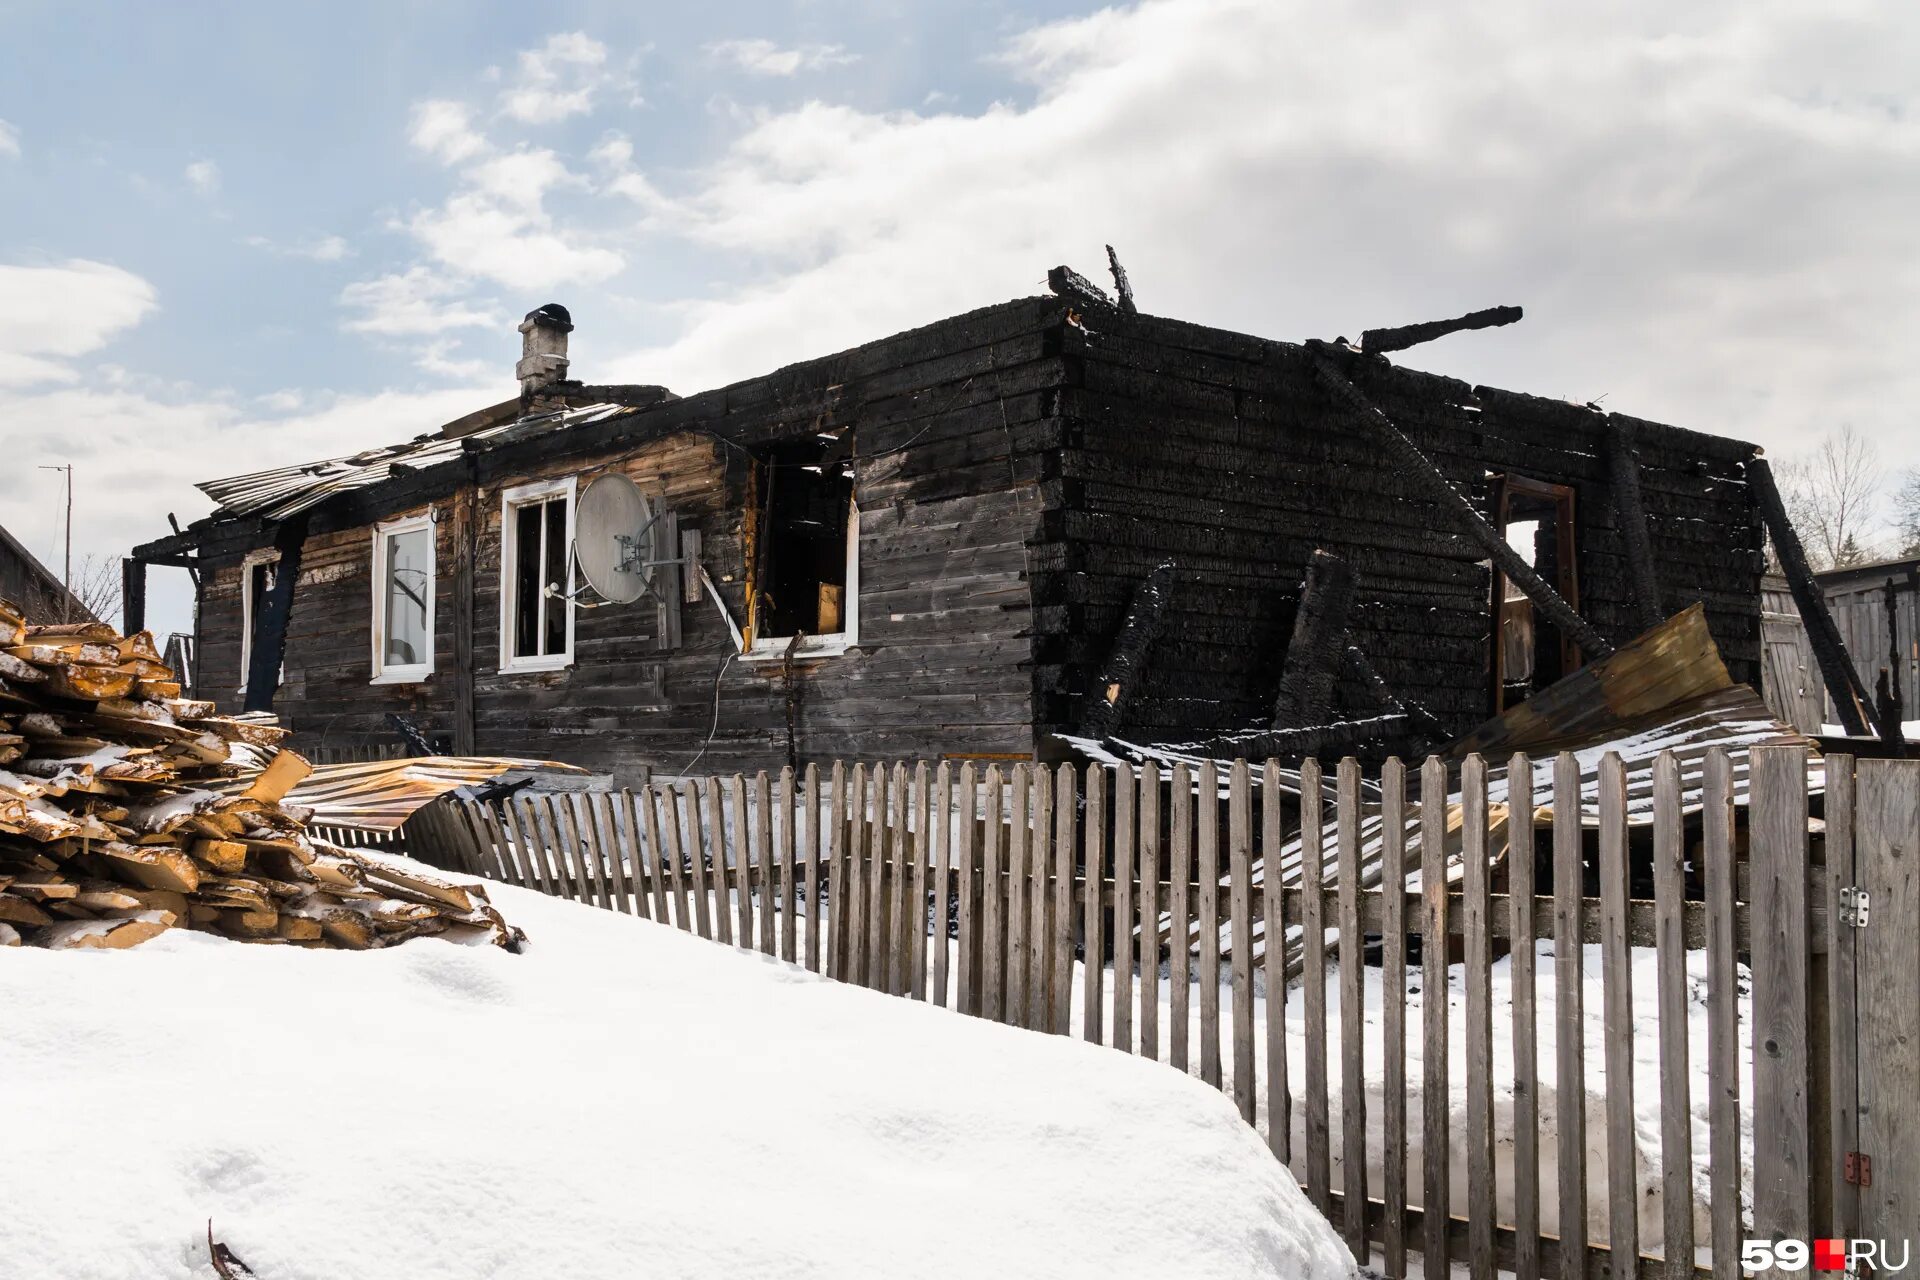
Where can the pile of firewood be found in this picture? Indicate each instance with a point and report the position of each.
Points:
(127, 810)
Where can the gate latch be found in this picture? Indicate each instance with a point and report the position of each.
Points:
(1853, 907)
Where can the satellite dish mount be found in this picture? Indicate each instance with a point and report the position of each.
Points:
(621, 540)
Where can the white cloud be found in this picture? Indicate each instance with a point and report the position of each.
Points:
(1707, 216)
(204, 177)
(444, 130)
(317, 249)
(557, 80)
(412, 302)
(51, 314)
(137, 455)
(9, 139)
(765, 58)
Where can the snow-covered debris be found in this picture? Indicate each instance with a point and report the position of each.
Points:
(621, 1100)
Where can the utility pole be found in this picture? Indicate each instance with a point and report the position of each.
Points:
(66, 578)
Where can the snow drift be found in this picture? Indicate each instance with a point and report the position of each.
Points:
(623, 1100)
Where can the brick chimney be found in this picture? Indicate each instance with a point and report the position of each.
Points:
(543, 349)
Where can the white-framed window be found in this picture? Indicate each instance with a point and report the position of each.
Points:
(536, 576)
(821, 583)
(257, 574)
(403, 586)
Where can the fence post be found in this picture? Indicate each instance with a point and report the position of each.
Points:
(1782, 1173)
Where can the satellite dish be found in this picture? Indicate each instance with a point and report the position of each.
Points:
(616, 536)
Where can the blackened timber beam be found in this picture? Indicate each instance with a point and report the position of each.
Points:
(1381, 341)
(1077, 289)
(1889, 701)
(1416, 466)
(1126, 662)
(1849, 695)
(1313, 656)
(1121, 285)
(269, 647)
(1630, 515)
(133, 595)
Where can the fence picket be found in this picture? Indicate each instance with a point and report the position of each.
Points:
(898, 925)
(1147, 899)
(879, 849)
(1061, 981)
(967, 911)
(1570, 1072)
(1207, 813)
(1393, 1012)
(993, 934)
(1273, 964)
(637, 863)
(893, 906)
(1475, 853)
(593, 849)
(1179, 895)
(1040, 904)
(1018, 852)
(838, 887)
(1125, 937)
(1676, 1116)
(942, 877)
(1723, 996)
(917, 887)
(1616, 979)
(1526, 1109)
(1240, 913)
(676, 851)
(510, 859)
(1092, 1023)
(714, 843)
(580, 859)
(1782, 1170)
(806, 822)
(1313, 982)
(1843, 1009)
(566, 871)
(1353, 1068)
(606, 823)
(1435, 1149)
(774, 914)
(741, 846)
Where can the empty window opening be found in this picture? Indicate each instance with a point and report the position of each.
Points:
(808, 541)
(257, 576)
(1528, 652)
(537, 576)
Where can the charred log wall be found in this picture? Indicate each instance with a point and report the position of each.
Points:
(1219, 451)
(948, 426)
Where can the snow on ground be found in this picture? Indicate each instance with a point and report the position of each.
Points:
(623, 1100)
(1646, 1080)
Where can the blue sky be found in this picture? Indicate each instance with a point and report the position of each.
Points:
(241, 236)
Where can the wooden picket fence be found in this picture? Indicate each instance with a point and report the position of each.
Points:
(1052, 899)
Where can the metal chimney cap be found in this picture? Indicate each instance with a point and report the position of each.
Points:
(551, 316)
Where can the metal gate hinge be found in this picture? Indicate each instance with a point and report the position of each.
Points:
(1853, 907)
(1858, 1169)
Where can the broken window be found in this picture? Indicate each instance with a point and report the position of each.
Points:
(403, 599)
(807, 572)
(257, 574)
(536, 576)
(1537, 520)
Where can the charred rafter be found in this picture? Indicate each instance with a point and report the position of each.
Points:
(1126, 662)
(1381, 341)
(1630, 514)
(1121, 285)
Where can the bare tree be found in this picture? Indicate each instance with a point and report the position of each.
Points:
(95, 588)
(1906, 510)
(1832, 495)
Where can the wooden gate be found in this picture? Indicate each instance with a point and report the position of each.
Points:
(1874, 986)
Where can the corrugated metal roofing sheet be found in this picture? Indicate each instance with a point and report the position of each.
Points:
(286, 491)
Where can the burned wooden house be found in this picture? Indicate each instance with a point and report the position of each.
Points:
(1047, 518)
